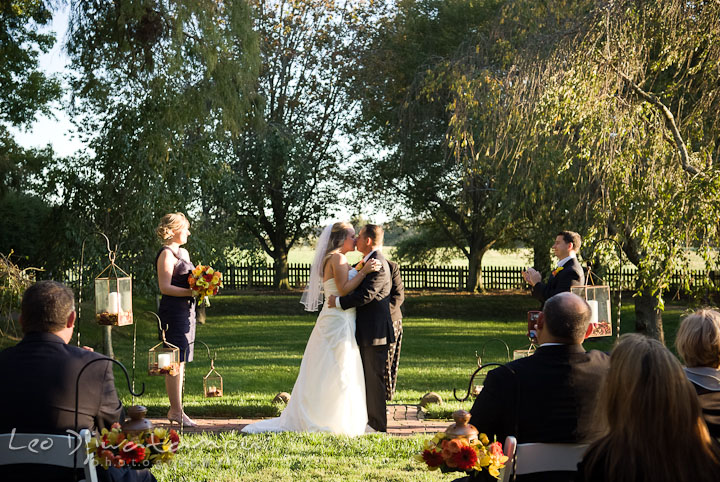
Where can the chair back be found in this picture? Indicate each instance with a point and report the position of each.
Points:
(530, 458)
(46, 449)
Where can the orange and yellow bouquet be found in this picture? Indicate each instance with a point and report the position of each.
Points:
(205, 282)
(460, 454)
(115, 448)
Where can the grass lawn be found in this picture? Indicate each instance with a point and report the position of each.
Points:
(260, 338)
(298, 457)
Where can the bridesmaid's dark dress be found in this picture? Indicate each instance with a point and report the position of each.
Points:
(177, 313)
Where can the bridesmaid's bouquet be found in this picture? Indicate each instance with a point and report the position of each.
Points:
(205, 282)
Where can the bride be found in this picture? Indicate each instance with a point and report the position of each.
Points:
(329, 393)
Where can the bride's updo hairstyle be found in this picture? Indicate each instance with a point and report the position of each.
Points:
(169, 224)
(337, 238)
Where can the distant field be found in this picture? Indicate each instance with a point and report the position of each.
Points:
(519, 257)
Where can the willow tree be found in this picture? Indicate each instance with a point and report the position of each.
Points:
(639, 91)
(155, 83)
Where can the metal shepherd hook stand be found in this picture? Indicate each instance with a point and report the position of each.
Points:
(164, 342)
(111, 257)
(482, 367)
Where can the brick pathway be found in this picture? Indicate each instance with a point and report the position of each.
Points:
(403, 420)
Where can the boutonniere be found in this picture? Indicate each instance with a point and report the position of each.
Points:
(557, 270)
(360, 265)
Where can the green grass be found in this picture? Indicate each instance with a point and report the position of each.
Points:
(298, 457)
(260, 338)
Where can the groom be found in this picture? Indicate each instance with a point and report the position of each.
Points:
(374, 328)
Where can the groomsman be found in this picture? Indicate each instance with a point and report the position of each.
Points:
(397, 297)
(567, 273)
(373, 324)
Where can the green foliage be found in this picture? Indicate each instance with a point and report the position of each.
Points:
(13, 283)
(25, 91)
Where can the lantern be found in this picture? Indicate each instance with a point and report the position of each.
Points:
(164, 359)
(113, 296)
(598, 297)
(213, 382)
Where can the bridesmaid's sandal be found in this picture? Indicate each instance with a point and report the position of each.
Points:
(185, 420)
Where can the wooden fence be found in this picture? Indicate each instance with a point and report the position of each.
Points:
(417, 277)
(449, 277)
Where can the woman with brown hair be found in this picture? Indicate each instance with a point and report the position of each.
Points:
(177, 305)
(698, 343)
(649, 421)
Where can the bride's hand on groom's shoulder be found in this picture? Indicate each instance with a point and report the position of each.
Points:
(371, 266)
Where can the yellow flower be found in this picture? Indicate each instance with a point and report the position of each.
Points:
(210, 270)
(494, 471)
(483, 439)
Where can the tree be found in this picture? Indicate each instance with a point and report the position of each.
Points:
(408, 88)
(642, 118)
(282, 167)
(156, 82)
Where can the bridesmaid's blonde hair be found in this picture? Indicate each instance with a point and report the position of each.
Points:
(337, 238)
(169, 224)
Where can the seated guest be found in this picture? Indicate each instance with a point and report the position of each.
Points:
(649, 421)
(41, 371)
(549, 396)
(698, 343)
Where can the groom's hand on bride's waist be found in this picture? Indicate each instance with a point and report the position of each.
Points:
(331, 301)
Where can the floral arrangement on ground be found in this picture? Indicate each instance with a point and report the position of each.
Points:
(115, 448)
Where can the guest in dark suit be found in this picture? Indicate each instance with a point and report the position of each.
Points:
(41, 373)
(397, 297)
(373, 323)
(549, 396)
(567, 273)
(649, 421)
(698, 343)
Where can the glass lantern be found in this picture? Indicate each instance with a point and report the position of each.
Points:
(113, 297)
(598, 297)
(164, 359)
(213, 382)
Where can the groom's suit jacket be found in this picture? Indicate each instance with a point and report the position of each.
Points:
(571, 275)
(373, 325)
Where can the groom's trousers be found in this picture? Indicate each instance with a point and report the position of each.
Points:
(374, 358)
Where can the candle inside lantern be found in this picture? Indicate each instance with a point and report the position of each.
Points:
(595, 308)
(113, 302)
(164, 360)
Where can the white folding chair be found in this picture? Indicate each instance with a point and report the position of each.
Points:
(61, 450)
(530, 458)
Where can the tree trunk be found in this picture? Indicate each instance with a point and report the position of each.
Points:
(107, 341)
(282, 278)
(541, 256)
(648, 317)
(475, 281)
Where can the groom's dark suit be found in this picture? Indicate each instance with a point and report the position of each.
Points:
(571, 275)
(373, 332)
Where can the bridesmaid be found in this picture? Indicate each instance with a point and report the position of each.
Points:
(177, 305)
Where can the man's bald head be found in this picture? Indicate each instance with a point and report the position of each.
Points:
(567, 317)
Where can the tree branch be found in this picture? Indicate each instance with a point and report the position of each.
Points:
(669, 121)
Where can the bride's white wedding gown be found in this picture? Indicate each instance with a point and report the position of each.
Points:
(329, 393)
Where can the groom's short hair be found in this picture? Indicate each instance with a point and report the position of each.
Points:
(374, 232)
